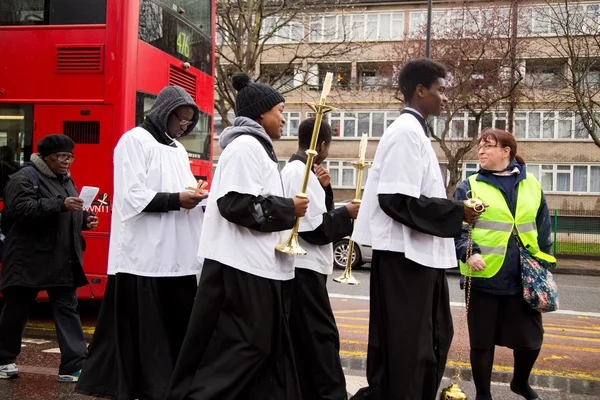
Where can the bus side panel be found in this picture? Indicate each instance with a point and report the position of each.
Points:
(52, 72)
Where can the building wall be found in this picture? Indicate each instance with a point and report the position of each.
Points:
(567, 167)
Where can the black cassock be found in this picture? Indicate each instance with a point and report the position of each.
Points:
(410, 323)
(238, 344)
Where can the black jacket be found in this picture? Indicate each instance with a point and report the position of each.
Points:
(44, 246)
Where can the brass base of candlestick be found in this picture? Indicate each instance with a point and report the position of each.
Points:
(291, 246)
(453, 392)
(347, 278)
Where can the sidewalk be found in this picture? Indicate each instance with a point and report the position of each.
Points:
(574, 266)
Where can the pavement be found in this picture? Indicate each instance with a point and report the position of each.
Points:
(576, 266)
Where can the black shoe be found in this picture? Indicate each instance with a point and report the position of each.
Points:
(527, 392)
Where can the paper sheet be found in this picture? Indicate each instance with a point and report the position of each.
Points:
(88, 194)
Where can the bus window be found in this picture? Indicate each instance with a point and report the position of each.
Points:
(16, 126)
(197, 143)
(197, 12)
(165, 29)
(52, 12)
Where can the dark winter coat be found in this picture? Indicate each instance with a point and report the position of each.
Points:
(508, 280)
(44, 246)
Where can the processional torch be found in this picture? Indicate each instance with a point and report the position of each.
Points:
(291, 245)
(454, 392)
(361, 165)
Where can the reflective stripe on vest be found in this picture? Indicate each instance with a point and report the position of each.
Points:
(492, 232)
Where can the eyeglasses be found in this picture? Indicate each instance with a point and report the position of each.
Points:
(64, 157)
(486, 147)
(182, 122)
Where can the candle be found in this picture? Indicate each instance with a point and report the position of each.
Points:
(362, 149)
(327, 85)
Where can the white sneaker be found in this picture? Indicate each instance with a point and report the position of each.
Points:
(9, 371)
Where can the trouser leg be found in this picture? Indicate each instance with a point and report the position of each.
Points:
(18, 302)
(69, 332)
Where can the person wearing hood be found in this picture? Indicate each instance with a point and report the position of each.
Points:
(43, 250)
(498, 314)
(152, 262)
(238, 341)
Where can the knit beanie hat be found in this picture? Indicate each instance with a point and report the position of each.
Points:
(253, 98)
(55, 143)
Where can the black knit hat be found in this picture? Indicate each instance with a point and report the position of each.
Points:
(55, 143)
(253, 98)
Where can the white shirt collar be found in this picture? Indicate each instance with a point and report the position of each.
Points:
(413, 110)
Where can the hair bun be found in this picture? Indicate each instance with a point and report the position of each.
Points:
(240, 80)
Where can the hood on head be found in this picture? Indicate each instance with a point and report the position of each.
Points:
(169, 98)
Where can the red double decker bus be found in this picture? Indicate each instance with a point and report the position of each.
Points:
(91, 69)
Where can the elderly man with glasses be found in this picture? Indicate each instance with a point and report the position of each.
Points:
(43, 250)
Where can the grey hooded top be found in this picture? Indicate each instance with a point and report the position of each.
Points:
(169, 98)
(156, 121)
(246, 126)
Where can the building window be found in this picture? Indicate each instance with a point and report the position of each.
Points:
(545, 73)
(282, 30)
(292, 123)
(357, 27)
(343, 175)
(564, 178)
(354, 124)
(458, 23)
(283, 77)
(546, 125)
(375, 76)
(549, 125)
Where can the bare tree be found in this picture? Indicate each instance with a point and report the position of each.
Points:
(280, 35)
(568, 38)
(473, 40)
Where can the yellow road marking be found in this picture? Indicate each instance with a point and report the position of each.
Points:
(349, 311)
(354, 318)
(553, 357)
(545, 346)
(50, 327)
(535, 371)
(567, 329)
(353, 326)
(587, 339)
(575, 348)
(352, 341)
(503, 368)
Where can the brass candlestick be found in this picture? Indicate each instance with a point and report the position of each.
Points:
(291, 245)
(347, 277)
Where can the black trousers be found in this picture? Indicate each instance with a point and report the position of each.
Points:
(316, 339)
(17, 306)
(140, 329)
(410, 329)
(238, 344)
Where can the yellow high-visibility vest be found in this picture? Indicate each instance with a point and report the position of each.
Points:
(492, 231)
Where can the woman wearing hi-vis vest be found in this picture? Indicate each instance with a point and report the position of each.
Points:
(498, 314)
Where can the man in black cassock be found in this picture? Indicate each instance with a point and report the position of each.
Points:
(408, 221)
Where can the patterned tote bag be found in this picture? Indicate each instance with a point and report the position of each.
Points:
(539, 287)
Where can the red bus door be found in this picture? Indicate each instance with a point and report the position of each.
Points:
(90, 127)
